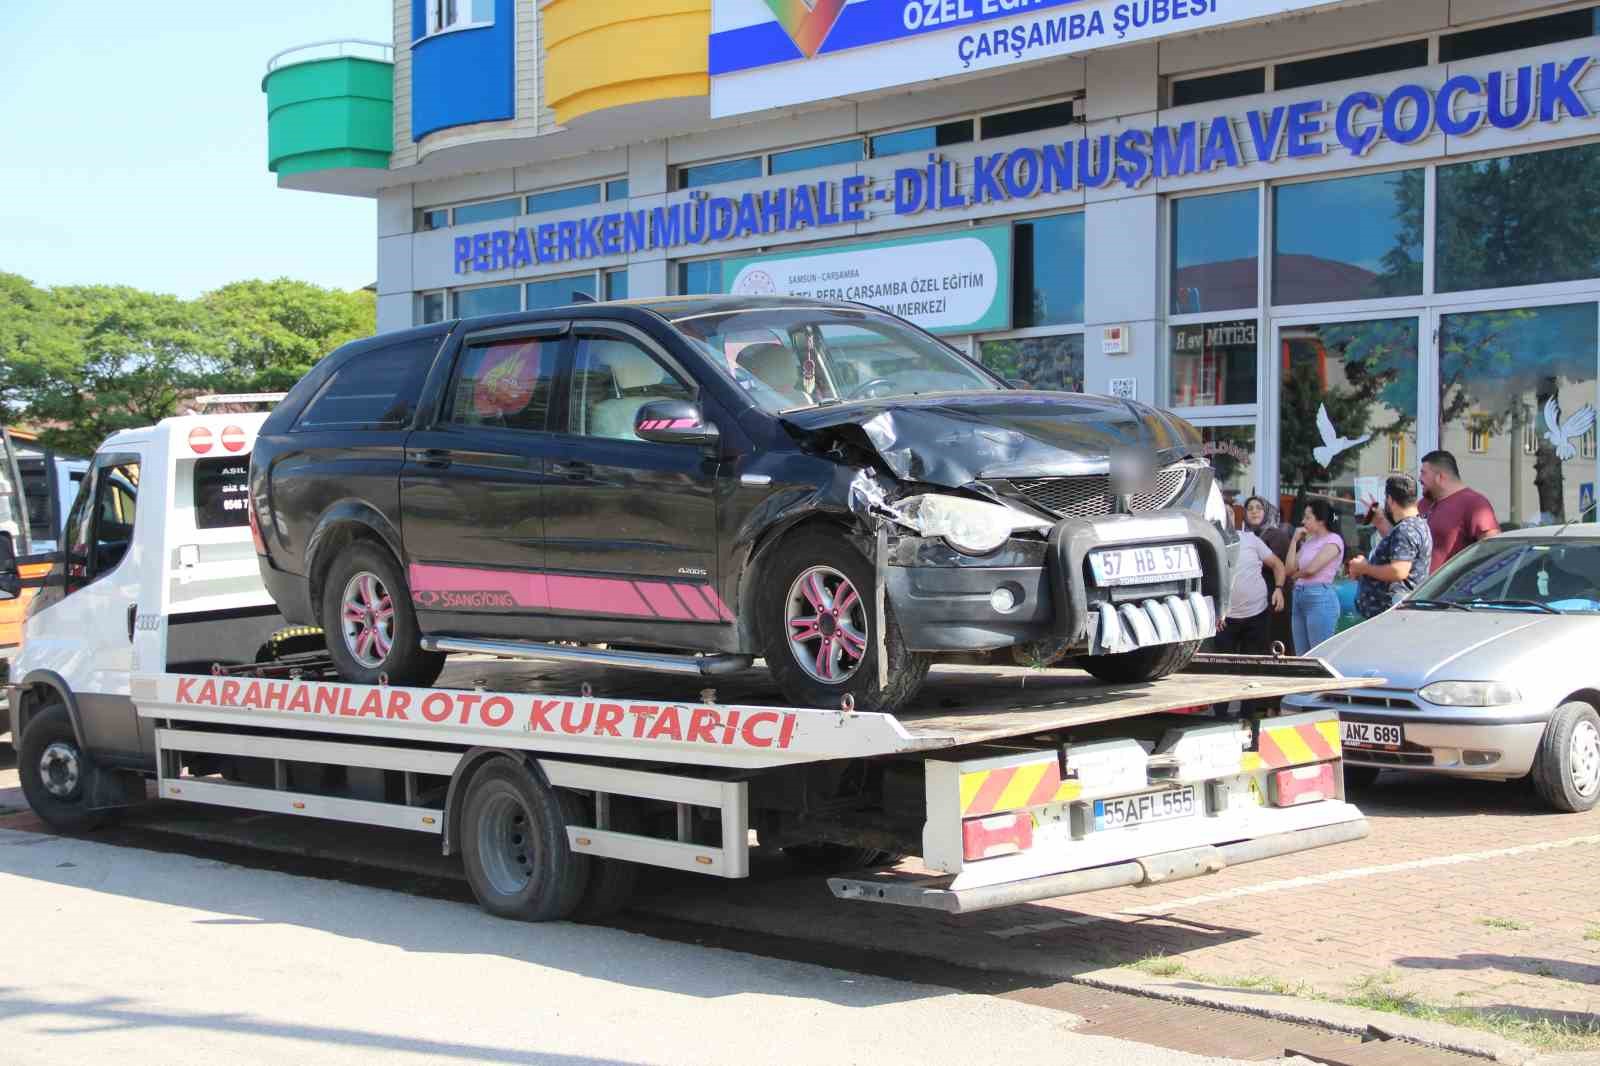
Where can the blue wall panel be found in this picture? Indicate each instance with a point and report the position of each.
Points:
(463, 76)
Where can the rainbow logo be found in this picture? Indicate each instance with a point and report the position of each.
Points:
(807, 21)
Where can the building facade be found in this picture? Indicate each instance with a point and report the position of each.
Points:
(1336, 234)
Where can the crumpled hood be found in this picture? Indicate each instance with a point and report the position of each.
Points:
(1412, 648)
(955, 438)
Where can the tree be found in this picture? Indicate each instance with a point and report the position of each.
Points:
(268, 334)
(32, 340)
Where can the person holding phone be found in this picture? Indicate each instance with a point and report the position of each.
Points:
(1402, 559)
(1315, 552)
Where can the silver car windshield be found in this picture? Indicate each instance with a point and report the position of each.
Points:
(788, 358)
(1509, 574)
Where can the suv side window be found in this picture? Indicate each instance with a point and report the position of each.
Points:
(612, 378)
(503, 384)
(374, 390)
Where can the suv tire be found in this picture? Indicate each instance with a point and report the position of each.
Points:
(822, 578)
(371, 626)
(1145, 664)
(57, 775)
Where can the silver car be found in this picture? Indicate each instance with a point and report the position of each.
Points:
(1493, 667)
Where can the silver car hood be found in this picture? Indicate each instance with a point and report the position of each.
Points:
(1412, 648)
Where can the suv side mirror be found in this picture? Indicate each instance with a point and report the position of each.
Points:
(674, 422)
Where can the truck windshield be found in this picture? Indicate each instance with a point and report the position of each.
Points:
(1506, 574)
(788, 358)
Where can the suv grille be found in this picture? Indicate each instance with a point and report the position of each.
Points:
(1089, 495)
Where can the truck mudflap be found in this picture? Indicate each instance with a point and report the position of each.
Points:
(1015, 826)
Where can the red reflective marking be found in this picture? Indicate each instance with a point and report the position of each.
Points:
(984, 837)
(1314, 740)
(989, 794)
(233, 438)
(1269, 751)
(1046, 789)
(200, 440)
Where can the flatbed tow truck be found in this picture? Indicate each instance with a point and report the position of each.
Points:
(555, 780)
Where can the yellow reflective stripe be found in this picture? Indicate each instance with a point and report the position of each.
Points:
(1069, 790)
(1293, 747)
(1330, 735)
(1021, 787)
(970, 784)
(1250, 761)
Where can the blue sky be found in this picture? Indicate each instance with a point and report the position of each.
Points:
(133, 146)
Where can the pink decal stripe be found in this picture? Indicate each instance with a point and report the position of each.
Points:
(696, 602)
(471, 589)
(661, 599)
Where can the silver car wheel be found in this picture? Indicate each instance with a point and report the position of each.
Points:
(60, 770)
(1583, 755)
(826, 622)
(366, 614)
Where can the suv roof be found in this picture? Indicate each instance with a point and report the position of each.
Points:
(669, 308)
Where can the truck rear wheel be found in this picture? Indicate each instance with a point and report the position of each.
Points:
(57, 775)
(514, 842)
(1145, 664)
(370, 625)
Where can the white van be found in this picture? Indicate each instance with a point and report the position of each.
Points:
(156, 546)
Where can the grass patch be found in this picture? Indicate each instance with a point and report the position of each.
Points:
(1508, 924)
(1378, 992)
(1592, 932)
(1160, 966)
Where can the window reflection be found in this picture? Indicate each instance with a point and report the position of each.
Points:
(1517, 395)
(1054, 363)
(1213, 363)
(1048, 286)
(1231, 451)
(1348, 239)
(1214, 252)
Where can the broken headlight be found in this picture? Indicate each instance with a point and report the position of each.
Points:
(970, 526)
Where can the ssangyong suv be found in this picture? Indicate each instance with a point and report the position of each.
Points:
(690, 483)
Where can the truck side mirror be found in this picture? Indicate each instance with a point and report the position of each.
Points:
(674, 422)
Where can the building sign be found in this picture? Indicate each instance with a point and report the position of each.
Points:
(1547, 92)
(953, 283)
(775, 53)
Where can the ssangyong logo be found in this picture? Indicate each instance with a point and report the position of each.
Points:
(807, 21)
(464, 601)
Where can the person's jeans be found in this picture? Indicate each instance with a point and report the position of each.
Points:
(1316, 615)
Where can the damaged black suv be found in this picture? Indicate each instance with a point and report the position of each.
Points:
(687, 484)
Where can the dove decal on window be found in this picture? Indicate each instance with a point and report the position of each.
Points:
(1563, 434)
(1332, 444)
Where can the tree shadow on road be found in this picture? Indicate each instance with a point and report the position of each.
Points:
(1562, 969)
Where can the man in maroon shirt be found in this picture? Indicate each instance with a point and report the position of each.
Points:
(1457, 516)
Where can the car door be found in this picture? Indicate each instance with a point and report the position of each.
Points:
(472, 511)
(630, 525)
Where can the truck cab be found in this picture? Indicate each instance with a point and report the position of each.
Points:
(155, 570)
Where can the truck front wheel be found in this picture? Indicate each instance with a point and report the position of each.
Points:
(514, 842)
(57, 775)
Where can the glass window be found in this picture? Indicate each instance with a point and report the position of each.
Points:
(558, 292)
(700, 278)
(921, 139)
(496, 300)
(821, 155)
(1219, 86)
(221, 492)
(432, 308)
(374, 390)
(1047, 289)
(459, 14)
(1510, 36)
(486, 212)
(1521, 382)
(710, 173)
(616, 284)
(1214, 259)
(1362, 63)
(617, 189)
(1213, 363)
(1347, 411)
(1522, 575)
(1052, 363)
(116, 500)
(504, 385)
(559, 199)
(1027, 120)
(1231, 451)
(612, 378)
(433, 218)
(1348, 239)
(1519, 220)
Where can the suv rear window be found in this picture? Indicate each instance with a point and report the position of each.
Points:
(221, 492)
(374, 390)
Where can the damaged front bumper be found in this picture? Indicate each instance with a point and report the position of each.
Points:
(1043, 592)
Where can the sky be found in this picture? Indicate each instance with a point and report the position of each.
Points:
(133, 146)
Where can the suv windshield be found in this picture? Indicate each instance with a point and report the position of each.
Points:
(1507, 574)
(810, 356)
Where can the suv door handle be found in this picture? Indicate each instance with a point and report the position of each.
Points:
(133, 616)
(439, 458)
(577, 470)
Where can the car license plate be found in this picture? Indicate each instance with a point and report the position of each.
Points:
(1145, 566)
(1125, 812)
(1373, 735)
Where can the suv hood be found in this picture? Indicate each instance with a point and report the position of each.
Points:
(956, 438)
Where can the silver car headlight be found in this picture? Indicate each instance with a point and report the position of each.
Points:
(1470, 693)
(970, 526)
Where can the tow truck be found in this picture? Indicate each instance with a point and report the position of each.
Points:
(155, 654)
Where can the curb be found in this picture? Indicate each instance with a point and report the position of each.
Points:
(1357, 1021)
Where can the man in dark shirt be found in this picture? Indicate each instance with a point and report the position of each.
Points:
(1402, 559)
(1458, 517)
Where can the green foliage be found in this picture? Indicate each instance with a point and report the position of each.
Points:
(81, 362)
